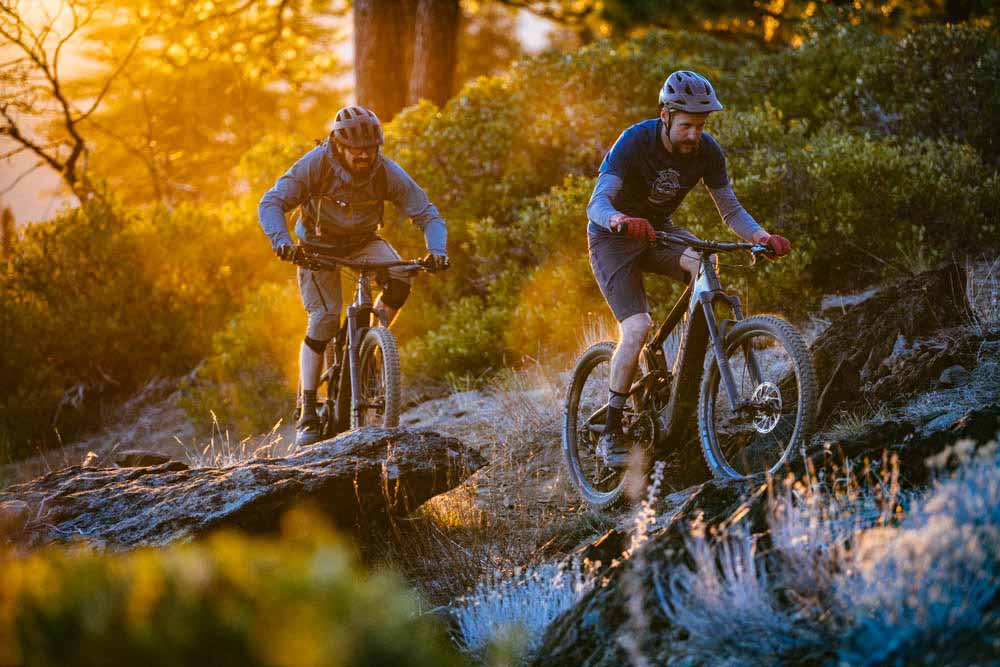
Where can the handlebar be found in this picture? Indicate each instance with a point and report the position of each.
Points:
(713, 246)
(314, 260)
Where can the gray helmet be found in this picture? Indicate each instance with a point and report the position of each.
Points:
(357, 127)
(685, 90)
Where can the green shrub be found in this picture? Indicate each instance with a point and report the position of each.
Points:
(804, 82)
(467, 339)
(249, 380)
(102, 298)
(939, 81)
(224, 600)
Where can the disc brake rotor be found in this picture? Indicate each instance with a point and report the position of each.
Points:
(766, 403)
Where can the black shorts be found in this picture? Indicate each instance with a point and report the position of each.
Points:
(618, 263)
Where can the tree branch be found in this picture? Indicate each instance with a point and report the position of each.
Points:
(12, 131)
(114, 74)
(20, 178)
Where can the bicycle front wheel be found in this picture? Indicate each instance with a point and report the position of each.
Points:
(775, 391)
(379, 381)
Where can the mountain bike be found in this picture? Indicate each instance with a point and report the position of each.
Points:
(360, 383)
(750, 380)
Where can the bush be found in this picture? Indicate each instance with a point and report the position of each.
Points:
(250, 379)
(102, 298)
(849, 578)
(225, 600)
(804, 82)
(938, 82)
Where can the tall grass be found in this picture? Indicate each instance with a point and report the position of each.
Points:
(515, 512)
(521, 606)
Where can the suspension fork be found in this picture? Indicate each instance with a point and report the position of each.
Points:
(756, 375)
(362, 307)
(719, 347)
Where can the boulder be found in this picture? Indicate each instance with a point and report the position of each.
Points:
(361, 479)
(849, 354)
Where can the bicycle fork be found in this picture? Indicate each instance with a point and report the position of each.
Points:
(362, 307)
(717, 338)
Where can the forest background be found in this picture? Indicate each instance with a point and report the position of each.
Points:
(864, 132)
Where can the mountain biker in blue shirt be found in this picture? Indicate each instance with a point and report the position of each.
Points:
(341, 187)
(642, 180)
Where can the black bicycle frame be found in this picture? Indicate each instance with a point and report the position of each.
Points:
(697, 306)
(347, 346)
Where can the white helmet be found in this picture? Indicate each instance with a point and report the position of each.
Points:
(357, 127)
(685, 90)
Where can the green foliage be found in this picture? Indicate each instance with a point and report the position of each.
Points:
(466, 339)
(250, 378)
(805, 82)
(937, 82)
(100, 299)
(225, 600)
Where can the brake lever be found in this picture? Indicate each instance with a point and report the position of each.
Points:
(759, 249)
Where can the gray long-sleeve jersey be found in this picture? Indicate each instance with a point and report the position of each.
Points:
(342, 207)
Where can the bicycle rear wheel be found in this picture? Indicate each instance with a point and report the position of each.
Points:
(776, 399)
(378, 380)
(583, 422)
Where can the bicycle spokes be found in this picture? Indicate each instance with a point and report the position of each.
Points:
(753, 435)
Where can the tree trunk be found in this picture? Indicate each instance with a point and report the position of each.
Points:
(436, 37)
(383, 54)
(7, 232)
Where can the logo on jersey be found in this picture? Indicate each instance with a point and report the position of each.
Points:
(665, 188)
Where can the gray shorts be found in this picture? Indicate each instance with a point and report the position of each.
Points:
(321, 290)
(618, 263)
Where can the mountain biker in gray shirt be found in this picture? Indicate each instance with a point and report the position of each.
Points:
(341, 187)
(643, 179)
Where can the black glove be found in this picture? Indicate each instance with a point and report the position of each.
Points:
(434, 262)
(289, 253)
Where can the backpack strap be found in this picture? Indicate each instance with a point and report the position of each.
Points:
(381, 191)
(325, 170)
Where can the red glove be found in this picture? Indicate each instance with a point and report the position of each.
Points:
(634, 228)
(778, 244)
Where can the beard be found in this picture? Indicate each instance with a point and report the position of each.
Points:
(361, 167)
(688, 146)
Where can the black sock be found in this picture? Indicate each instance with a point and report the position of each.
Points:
(309, 400)
(616, 402)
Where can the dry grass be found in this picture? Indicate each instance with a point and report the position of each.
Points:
(849, 578)
(982, 291)
(492, 552)
(223, 451)
(515, 512)
(849, 425)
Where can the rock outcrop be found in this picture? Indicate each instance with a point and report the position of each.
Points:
(361, 480)
(857, 350)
